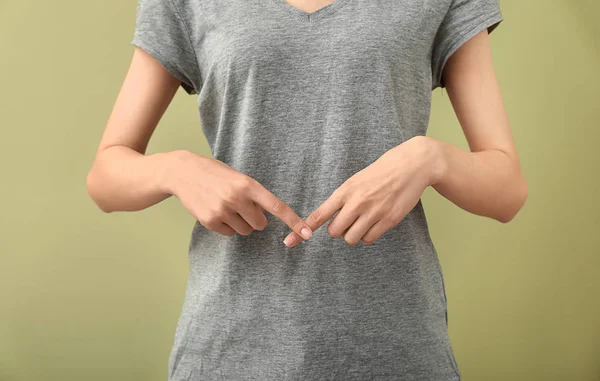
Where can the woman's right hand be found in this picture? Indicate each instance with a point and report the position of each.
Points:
(225, 200)
(124, 178)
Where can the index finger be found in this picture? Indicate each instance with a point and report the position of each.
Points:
(324, 212)
(320, 215)
(263, 197)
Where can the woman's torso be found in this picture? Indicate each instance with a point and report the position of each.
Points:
(301, 104)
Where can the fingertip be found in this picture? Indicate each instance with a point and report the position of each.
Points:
(288, 241)
(306, 233)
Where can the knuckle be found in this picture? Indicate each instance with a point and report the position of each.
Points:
(263, 225)
(381, 214)
(359, 193)
(389, 221)
(295, 221)
(349, 183)
(316, 217)
(209, 221)
(203, 221)
(278, 206)
(363, 194)
(368, 241)
(357, 198)
(216, 215)
(350, 241)
(231, 195)
(213, 219)
(229, 233)
(244, 183)
(238, 190)
(332, 231)
(341, 192)
(220, 210)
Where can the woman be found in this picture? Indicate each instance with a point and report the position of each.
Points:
(316, 112)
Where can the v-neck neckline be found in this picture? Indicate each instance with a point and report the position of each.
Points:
(314, 15)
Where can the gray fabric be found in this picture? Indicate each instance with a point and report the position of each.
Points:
(301, 103)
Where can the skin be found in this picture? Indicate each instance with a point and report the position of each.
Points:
(486, 180)
(309, 6)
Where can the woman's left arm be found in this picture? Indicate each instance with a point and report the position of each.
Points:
(487, 180)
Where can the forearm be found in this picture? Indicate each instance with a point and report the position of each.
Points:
(122, 179)
(487, 183)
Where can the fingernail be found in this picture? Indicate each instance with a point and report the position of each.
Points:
(288, 240)
(306, 233)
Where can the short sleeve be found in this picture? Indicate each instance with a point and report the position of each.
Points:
(464, 19)
(161, 31)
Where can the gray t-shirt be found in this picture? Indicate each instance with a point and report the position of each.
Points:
(301, 102)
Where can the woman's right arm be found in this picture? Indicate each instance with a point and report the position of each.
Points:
(124, 178)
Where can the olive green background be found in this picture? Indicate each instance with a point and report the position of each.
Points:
(92, 296)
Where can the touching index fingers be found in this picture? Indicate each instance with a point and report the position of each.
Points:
(318, 217)
(281, 210)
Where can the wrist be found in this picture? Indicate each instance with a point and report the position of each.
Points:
(433, 159)
(170, 166)
(439, 162)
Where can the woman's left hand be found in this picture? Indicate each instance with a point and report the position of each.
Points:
(379, 196)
